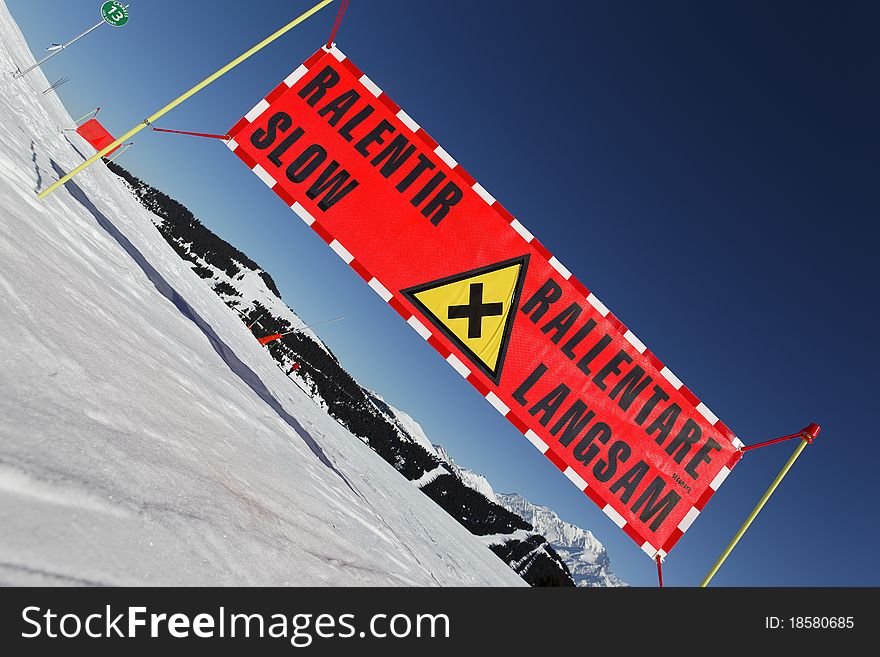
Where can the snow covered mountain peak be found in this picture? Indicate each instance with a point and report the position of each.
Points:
(582, 552)
(470, 478)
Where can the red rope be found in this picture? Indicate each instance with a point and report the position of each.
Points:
(808, 433)
(659, 571)
(342, 7)
(193, 134)
(770, 442)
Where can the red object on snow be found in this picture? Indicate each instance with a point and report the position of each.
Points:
(96, 134)
(294, 368)
(270, 338)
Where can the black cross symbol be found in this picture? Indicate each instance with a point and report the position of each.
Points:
(475, 311)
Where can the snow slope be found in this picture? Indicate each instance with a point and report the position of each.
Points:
(392, 434)
(246, 290)
(470, 478)
(412, 430)
(145, 436)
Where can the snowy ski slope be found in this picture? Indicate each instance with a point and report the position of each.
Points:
(145, 437)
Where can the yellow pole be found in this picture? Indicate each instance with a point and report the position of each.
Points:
(754, 513)
(177, 101)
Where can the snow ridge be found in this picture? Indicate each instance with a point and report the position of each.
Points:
(582, 552)
(470, 478)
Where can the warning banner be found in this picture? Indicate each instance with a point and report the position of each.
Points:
(480, 289)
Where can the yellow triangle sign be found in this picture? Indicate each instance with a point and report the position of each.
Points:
(475, 310)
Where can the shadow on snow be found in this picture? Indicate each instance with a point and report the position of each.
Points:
(242, 371)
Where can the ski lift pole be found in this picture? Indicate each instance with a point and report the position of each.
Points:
(61, 49)
(186, 96)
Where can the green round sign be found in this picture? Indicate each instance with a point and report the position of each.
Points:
(114, 13)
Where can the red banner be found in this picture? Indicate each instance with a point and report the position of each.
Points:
(477, 285)
(97, 136)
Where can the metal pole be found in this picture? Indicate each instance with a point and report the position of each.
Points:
(93, 114)
(186, 95)
(66, 45)
(121, 151)
(55, 52)
(57, 84)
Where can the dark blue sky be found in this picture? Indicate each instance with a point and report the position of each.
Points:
(709, 170)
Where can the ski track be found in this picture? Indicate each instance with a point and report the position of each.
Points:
(146, 438)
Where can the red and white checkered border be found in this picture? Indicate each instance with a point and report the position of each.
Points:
(468, 373)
